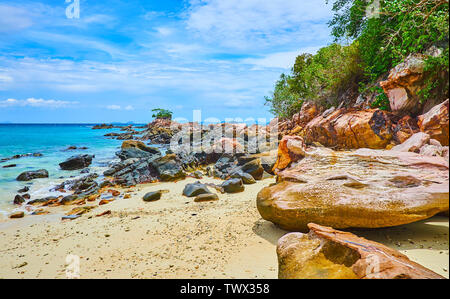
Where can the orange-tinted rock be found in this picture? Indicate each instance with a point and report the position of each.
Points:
(326, 253)
(16, 215)
(356, 189)
(108, 212)
(114, 192)
(104, 202)
(435, 123)
(351, 129)
(404, 83)
(227, 145)
(290, 149)
(308, 111)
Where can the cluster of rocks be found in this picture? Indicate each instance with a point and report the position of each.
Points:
(2, 160)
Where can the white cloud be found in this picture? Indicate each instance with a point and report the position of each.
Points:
(14, 18)
(129, 108)
(32, 102)
(113, 107)
(282, 60)
(242, 24)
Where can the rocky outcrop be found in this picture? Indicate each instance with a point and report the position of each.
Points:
(326, 253)
(290, 149)
(404, 83)
(350, 129)
(364, 189)
(137, 149)
(168, 168)
(435, 123)
(77, 162)
(31, 175)
(102, 127)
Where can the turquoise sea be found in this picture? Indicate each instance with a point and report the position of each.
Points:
(51, 140)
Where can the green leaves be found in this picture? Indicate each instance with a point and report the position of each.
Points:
(162, 113)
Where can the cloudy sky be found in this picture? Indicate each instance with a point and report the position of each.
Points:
(122, 58)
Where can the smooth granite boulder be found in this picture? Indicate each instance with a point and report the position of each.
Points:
(326, 253)
(361, 189)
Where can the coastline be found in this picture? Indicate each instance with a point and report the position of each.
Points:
(177, 237)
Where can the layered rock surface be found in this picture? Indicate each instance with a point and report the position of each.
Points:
(365, 189)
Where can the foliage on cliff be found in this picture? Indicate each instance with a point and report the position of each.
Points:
(382, 34)
(321, 77)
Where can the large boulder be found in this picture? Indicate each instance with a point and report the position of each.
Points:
(362, 189)
(404, 83)
(195, 189)
(132, 171)
(77, 162)
(326, 253)
(344, 129)
(435, 123)
(31, 175)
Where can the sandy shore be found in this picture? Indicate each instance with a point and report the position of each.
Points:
(176, 237)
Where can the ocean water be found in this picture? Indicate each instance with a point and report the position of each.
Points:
(50, 140)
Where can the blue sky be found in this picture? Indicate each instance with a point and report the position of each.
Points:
(121, 59)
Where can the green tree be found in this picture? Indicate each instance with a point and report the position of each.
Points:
(162, 114)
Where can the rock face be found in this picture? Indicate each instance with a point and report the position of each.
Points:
(31, 175)
(435, 123)
(326, 253)
(364, 189)
(349, 130)
(77, 162)
(291, 149)
(169, 168)
(403, 84)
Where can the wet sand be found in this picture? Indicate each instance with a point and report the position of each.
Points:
(176, 237)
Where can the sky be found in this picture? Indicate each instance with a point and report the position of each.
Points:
(122, 58)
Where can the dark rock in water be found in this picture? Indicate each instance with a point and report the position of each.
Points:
(87, 170)
(152, 196)
(18, 200)
(191, 190)
(24, 189)
(77, 162)
(168, 168)
(67, 200)
(41, 201)
(26, 196)
(20, 156)
(102, 126)
(31, 175)
(246, 178)
(10, 166)
(233, 186)
(206, 197)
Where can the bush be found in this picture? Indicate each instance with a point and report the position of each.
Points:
(322, 78)
(162, 114)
